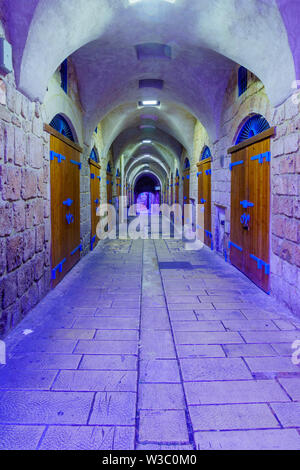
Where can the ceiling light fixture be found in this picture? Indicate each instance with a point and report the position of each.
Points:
(149, 103)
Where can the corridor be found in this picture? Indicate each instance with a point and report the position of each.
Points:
(145, 345)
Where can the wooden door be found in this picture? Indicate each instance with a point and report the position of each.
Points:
(109, 184)
(186, 186)
(257, 262)
(238, 230)
(65, 169)
(177, 190)
(95, 200)
(250, 212)
(118, 181)
(204, 197)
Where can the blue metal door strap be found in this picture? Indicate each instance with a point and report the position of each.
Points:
(202, 201)
(92, 242)
(208, 172)
(261, 263)
(56, 155)
(96, 201)
(231, 165)
(246, 204)
(261, 156)
(59, 267)
(68, 202)
(92, 176)
(79, 247)
(99, 178)
(235, 246)
(76, 163)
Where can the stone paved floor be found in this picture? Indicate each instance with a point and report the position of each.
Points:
(145, 345)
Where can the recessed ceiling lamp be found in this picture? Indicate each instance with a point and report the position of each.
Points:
(147, 142)
(149, 103)
(147, 126)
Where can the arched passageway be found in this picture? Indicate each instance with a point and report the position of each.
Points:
(181, 103)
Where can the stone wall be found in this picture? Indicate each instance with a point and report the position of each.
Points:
(24, 206)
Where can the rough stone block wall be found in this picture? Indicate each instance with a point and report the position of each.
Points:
(285, 227)
(25, 229)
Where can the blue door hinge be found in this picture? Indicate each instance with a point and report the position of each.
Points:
(208, 172)
(59, 267)
(261, 263)
(261, 156)
(231, 165)
(235, 246)
(76, 163)
(79, 247)
(56, 155)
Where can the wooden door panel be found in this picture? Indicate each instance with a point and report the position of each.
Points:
(204, 197)
(258, 260)
(95, 201)
(65, 207)
(238, 194)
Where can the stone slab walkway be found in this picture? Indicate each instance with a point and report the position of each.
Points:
(147, 346)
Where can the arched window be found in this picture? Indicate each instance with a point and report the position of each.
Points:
(187, 164)
(177, 173)
(108, 168)
(206, 153)
(64, 75)
(93, 156)
(242, 80)
(60, 124)
(253, 126)
(118, 173)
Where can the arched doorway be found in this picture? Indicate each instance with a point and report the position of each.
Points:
(147, 191)
(204, 192)
(65, 169)
(250, 200)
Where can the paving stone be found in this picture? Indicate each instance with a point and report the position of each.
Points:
(114, 408)
(117, 335)
(270, 439)
(43, 407)
(249, 350)
(20, 437)
(272, 364)
(46, 345)
(163, 426)
(170, 397)
(249, 325)
(118, 312)
(288, 413)
(283, 349)
(201, 350)
(82, 380)
(26, 379)
(178, 315)
(108, 362)
(232, 417)
(256, 314)
(271, 336)
(107, 323)
(191, 306)
(292, 386)
(243, 391)
(43, 361)
(68, 333)
(199, 369)
(88, 438)
(219, 314)
(182, 337)
(159, 371)
(197, 326)
(106, 347)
